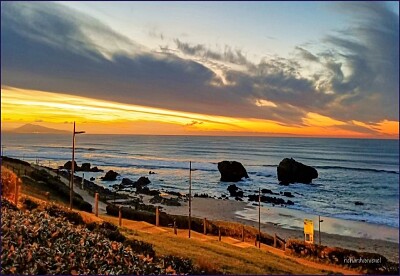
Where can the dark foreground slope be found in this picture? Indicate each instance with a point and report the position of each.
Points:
(54, 241)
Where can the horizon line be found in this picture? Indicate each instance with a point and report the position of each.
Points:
(208, 135)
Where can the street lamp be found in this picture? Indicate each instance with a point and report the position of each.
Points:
(71, 188)
(259, 217)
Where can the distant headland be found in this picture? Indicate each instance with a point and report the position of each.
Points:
(32, 128)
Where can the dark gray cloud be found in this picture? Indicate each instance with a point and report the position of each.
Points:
(369, 50)
(46, 46)
(200, 50)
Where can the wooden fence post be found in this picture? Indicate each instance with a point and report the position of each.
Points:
(205, 226)
(96, 204)
(219, 233)
(242, 233)
(120, 217)
(275, 240)
(157, 217)
(175, 230)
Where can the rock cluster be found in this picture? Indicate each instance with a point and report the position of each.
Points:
(140, 185)
(165, 201)
(86, 167)
(270, 199)
(235, 191)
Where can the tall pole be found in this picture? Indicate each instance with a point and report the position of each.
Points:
(259, 217)
(71, 188)
(319, 230)
(190, 196)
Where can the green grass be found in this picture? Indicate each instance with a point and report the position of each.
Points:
(224, 257)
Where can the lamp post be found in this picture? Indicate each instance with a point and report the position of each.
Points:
(190, 196)
(259, 217)
(71, 188)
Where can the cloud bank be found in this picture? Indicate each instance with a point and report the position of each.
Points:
(49, 47)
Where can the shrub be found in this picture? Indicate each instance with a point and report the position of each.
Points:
(13, 160)
(338, 256)
(40, 175)
(180, 265)
(72, 217)
(8, 181)
(140, 247)
(61, 189)
(29, 204)
(7, 204)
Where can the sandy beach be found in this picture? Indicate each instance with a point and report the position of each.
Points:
(229, 210)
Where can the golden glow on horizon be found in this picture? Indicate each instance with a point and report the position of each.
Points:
(314, 119)
(389, 127)
(97, 116)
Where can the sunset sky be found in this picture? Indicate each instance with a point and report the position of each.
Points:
(324, 69)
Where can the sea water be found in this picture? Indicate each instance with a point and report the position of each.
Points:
(350, 170)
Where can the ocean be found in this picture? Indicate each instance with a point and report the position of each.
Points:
(350, 170)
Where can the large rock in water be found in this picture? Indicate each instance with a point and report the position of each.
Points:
(291, 171)
(95, 169)
(110, 176)
(143, 181)
(85, 167)
(232, 171)
(128, 182)
(68, 166)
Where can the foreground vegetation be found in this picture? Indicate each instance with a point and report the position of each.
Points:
(56, 241)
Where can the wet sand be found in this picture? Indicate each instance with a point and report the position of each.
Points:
(242, 212)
